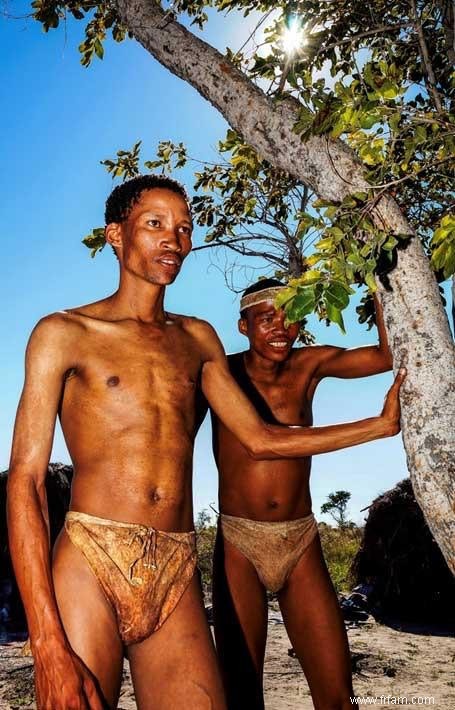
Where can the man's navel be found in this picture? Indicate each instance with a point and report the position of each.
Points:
(273, 504)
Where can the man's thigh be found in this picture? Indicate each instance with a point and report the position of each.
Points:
(87, 617)
(176, 666)
(316, 629)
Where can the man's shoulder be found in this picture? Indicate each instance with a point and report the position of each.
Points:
(53, 323)
(197, 327)
(53, 341)
(204, 337)
(59, 324)
(310, 353)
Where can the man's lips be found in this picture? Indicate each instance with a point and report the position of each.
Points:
(170, 262)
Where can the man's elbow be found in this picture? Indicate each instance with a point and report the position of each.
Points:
(384, 359)
(21, 484)
(260, 445)
(13, 479)
(388, 361)
(255, 451)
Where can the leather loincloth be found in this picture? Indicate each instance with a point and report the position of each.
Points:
(142, 571)
(273, 548)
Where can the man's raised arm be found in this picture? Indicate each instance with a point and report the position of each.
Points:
(265, 441)
(60, 679)
(356, 362)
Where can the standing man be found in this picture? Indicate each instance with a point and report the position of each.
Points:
(123, 375)
(268, 537)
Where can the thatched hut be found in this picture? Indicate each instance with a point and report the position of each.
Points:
(401, 564)
(58, 485)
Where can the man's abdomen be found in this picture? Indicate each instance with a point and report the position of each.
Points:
(266, 490)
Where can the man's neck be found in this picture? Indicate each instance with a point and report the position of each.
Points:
(138, 300)
(261, 367)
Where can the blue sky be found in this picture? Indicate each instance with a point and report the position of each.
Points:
(58, 121)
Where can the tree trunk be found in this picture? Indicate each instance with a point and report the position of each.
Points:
(453, 302)
(416, 322)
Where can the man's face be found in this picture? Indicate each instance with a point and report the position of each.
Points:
(156, 236)
(264, 328)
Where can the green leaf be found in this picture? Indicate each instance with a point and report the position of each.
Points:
(284, 296)
(353, 257)
(360, 196)
(331, 211)
(394, 121)
(337, 232)
(371, 282)
(335, 316)
(99, 50)
(325, 244)
(311, 276)
(95, 241)
(313, 259)
(367, 120)
(337, 295)
(390, 243)
(389, 90)
(302, 305)
(321, 203)
(446, 229)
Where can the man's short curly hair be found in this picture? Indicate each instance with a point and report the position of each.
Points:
(123, 197)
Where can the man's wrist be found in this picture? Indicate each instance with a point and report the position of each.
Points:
(384, 426)
(49, 642)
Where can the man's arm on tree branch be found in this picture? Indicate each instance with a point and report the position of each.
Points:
(61, 680)
(357, 362)
(264, 441)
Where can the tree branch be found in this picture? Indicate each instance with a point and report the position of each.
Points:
(430, 78)
(368, 33)
(241, 238)
(250, 252)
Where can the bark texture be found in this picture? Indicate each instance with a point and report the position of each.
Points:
(416, 322)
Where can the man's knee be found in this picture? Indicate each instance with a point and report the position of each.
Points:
(204, 697)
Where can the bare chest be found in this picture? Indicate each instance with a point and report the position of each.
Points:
(289, 397)
(123, 366)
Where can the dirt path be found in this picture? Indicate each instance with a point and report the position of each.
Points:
(386, 661)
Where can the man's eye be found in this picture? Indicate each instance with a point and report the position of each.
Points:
(154, 222)
(186, 230)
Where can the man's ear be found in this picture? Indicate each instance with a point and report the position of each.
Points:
(113, 234)
(243, 326)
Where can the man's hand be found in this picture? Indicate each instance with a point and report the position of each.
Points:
(392, 410)
(63, 682)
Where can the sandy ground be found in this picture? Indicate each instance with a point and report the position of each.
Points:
(392, 662)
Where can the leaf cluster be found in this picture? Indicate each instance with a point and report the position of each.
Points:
(377, 75)
(101, 17)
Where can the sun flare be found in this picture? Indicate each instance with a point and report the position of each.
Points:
(293, 37)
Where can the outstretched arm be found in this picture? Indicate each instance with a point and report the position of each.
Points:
(357, 362)
(264, 441)
(61, 680)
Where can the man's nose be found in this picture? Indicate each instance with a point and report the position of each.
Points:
(171, 240)
(279, 319)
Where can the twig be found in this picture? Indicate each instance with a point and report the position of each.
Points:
(425, 56)
(367, 33)
(261, 21)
